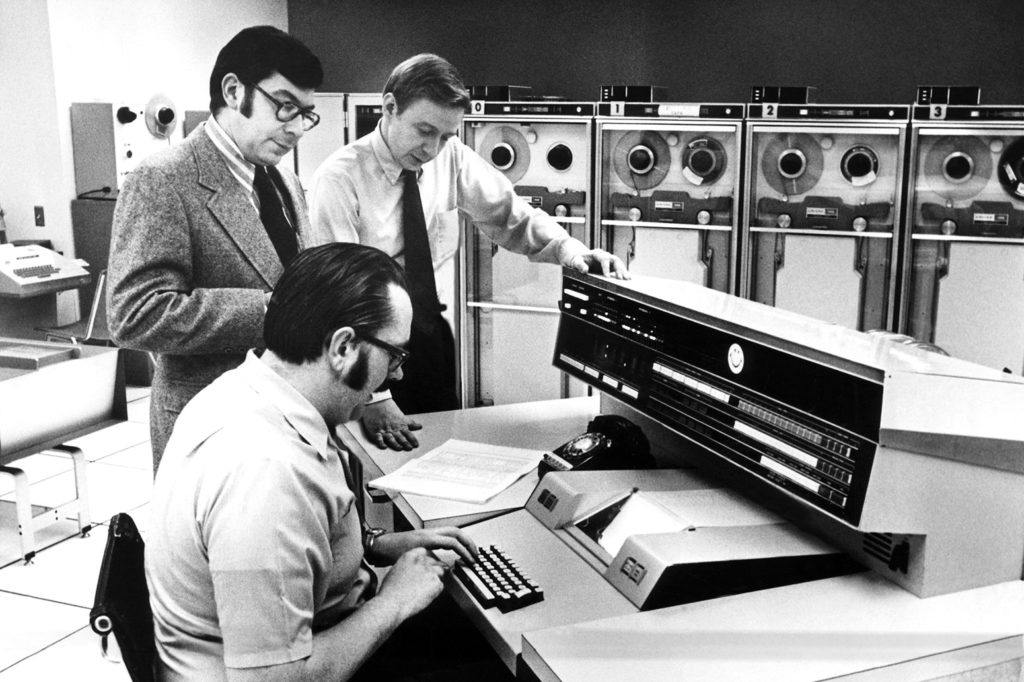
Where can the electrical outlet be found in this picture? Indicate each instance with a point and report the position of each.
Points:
(40, 217)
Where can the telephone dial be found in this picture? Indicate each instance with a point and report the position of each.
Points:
(610, 442)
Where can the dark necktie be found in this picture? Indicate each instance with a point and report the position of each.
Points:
(272, 213)
(419, 268)
(354, 478)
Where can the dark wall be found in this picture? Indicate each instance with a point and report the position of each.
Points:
(702, 50)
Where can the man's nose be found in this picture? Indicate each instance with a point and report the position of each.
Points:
(432, 146)
(295, 127)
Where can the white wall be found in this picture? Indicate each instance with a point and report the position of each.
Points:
(31, 159)
(56, 52)
(126, 51)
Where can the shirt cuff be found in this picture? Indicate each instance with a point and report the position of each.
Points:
(569, 249)
(379, 397)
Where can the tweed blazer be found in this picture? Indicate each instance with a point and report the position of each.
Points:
(190, 263)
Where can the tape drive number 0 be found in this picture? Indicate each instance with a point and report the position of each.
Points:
(938, 111)
(771, 111)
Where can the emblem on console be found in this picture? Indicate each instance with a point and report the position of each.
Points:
(735, 358)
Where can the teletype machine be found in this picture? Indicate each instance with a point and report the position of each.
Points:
(963, 287)
(31, 269)
(668, 188)
(805, 457)
(824, 186)
(544, 148)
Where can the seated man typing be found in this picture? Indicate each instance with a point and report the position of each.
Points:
(255, 558)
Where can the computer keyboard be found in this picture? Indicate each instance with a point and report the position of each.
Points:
(36, 271)
(496, 580)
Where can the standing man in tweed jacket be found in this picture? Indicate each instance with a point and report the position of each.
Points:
(203, 230)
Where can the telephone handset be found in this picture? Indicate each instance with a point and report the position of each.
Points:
(610, 442)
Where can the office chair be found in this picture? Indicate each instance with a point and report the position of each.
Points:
(121, 606)
(92, 329)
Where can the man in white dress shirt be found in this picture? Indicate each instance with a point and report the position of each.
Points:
(362, 192)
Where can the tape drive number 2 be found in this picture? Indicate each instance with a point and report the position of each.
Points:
(771, 111)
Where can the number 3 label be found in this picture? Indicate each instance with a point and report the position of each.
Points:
(938, 111)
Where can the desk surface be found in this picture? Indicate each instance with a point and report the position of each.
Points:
(543, 425)
(854, 627)
(812, 631)
(40, 408)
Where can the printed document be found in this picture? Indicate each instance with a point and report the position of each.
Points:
(461, 470)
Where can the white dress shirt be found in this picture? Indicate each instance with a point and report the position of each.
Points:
(356, 196)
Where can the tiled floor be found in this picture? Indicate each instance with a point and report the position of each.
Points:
(44, 605)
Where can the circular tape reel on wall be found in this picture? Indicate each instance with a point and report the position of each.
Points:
(641, 159)
(958, 167)
(704, 160)
(161, 116)
(1011, 169)
(792, 163)
(507, 150)
(859, 165)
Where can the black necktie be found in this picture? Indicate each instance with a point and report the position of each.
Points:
(354, 477)
(272, 213)
(419, 268)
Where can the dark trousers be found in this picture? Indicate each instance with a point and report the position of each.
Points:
(428, 381)
(436, 645)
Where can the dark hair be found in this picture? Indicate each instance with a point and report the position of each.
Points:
(258, 52)
(429, 76)
(325, 288)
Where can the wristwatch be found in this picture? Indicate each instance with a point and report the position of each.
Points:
(370, 535)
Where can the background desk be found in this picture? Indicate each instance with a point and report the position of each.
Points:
(542, 425)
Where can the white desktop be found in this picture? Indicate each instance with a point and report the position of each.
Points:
(908, 463)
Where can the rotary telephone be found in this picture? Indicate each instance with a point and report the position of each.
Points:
(610, 442)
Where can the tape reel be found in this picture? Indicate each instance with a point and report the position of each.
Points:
(704, 160)
(641, 159)
(957, 167)
(792, 163)
(1011, 169)
(560, 157)
(859, 165)
(506, 149)
(161, 116)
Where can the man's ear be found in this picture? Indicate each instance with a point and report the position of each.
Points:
(341, 348)
(390, 104)
(233, 91)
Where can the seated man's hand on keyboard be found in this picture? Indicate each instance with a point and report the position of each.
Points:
(412, 583)
(389, 547)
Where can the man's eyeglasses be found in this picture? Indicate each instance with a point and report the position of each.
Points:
(289, 111)
(397, 356)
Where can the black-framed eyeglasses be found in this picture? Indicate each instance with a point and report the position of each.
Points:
(289, 111)
(397, 356)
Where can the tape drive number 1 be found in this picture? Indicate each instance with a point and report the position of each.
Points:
(771, 111)
(938, 111)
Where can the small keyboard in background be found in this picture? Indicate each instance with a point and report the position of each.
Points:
(496, 580)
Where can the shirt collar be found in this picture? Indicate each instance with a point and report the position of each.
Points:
(297, 410)
(392, 169)
(230, 150)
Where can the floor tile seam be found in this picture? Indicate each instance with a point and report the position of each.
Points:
(46, 599)
(51, 644)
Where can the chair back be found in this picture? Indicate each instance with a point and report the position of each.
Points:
(121, 606)
(98, 309)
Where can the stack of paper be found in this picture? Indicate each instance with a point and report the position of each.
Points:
(461, 470)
